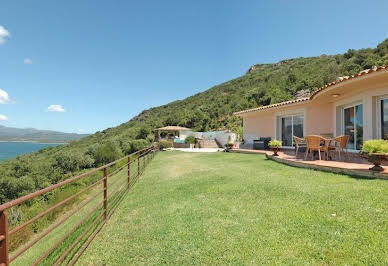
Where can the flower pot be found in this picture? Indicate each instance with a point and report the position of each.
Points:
(377, 159)
(275, 151)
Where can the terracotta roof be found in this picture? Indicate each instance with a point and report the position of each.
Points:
(339, 80)
(272, 106)
(173, 128)
(345, 78)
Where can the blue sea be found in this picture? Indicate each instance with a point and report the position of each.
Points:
(13, 149)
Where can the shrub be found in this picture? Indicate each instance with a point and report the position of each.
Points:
(143, 132)
(139, 144)
(229, 144)
(164, 144)
(131, 146)
(275, 143)
(70, 162)
(126, 147)
(375, 146)
(190, 140)
(107, 153)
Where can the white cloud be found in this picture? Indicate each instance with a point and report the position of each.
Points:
(4, 97)
(3, 118)
(27, 61)
(4, 34)
(81, 130)
(55, 108)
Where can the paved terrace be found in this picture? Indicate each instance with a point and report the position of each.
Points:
(359, 168)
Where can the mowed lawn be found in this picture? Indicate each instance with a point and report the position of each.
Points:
(228, 208)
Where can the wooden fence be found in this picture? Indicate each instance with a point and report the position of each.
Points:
(93, 221)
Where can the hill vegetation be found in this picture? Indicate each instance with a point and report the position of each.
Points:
(212, 109)
(36, 135)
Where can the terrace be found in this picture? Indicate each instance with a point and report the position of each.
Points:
(353, 165)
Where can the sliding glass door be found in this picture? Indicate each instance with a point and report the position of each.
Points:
(353, 126)
(384, 118)
(291, 126)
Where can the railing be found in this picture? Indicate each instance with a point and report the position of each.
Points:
(93, 221)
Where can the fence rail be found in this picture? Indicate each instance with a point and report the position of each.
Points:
(94, 219)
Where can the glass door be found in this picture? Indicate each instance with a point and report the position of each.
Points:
(287, 131)
(291, 126)
(384, 118)
(353, 126)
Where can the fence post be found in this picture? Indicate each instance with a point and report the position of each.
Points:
(138, 166)
(4, 260)
(129, 172)
(144, 159)
(105, 192)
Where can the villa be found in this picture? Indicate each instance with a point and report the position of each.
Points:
(353, 105)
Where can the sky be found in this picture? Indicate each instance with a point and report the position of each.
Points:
(83, 66)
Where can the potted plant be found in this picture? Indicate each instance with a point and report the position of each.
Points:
(275, 145)
(376, 151)
(190, 140)
(229, 145)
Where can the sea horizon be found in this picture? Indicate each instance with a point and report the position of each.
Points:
(13, 149)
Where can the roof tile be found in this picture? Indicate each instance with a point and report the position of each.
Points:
(337, 81)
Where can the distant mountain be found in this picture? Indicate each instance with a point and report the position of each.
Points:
(37, 135)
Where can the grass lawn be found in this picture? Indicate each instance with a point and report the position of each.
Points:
(32, 254)
(228, 208)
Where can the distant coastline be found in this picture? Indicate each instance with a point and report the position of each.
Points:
(34, 141)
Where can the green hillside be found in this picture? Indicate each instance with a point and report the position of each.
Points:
(32, 134)
(212, 109)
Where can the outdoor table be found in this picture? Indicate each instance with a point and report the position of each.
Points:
(326, 143)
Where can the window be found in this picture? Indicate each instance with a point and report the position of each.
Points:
(291, 126)
(353, 126)
(384, 118)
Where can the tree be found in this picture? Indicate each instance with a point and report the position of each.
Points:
(144, 132)
(107, 153)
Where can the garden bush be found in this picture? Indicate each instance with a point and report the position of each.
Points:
(275, 143)
(190, 140)
(107, 153)
(164, 144)
(375, 146)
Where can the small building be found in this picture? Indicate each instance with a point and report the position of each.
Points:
(354, 105)
(171, 132)
(177, 135)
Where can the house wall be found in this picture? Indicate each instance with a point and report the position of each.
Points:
(258, 125)
(323, 113)
(319, 119)
(371, 116)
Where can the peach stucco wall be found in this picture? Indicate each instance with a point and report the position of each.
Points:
(260, 125)
(319, 119)
(323, 112)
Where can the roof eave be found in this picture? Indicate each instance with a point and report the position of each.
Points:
(272, 107)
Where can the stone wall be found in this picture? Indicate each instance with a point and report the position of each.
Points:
(207, 143)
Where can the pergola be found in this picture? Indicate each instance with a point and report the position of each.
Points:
(175, 130)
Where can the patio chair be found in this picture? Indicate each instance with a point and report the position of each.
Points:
(314, 143)
(339, 146)
(299, 143)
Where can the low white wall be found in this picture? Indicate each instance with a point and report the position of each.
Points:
(222, 139)
(249, 138)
